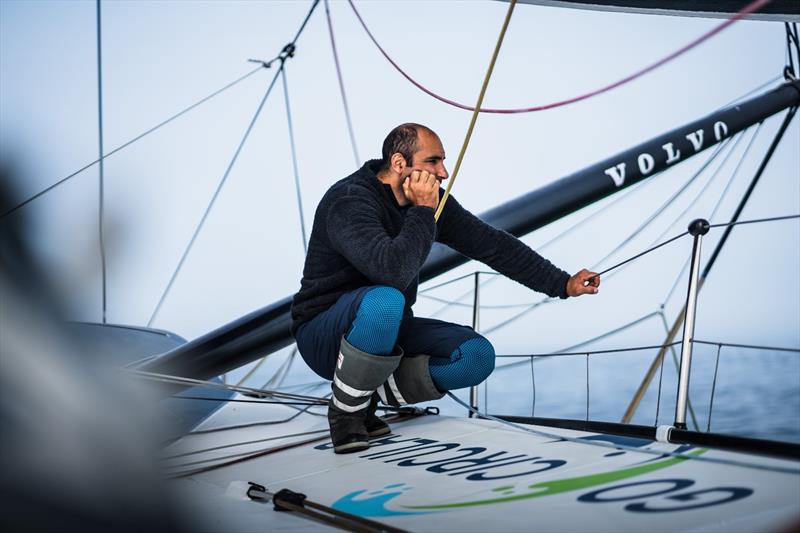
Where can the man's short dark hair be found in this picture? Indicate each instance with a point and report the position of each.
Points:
(402, 140)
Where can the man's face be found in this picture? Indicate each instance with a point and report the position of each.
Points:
(429, 156)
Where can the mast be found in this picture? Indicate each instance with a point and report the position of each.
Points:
(268, 329)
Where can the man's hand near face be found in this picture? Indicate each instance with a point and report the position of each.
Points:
(422, 188)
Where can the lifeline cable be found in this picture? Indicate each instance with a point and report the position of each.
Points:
(476, 111)
(750, 346)
(748, 9)
(727, 462)
(567, 351)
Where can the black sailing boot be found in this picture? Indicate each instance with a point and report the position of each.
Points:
(410, 383)
(357, 376)
(374, 424)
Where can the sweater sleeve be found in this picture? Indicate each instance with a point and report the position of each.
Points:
(356, 231)
(469, 235)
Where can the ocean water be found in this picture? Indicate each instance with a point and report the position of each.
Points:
(757, 392)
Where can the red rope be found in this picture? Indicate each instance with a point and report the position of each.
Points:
(748, 9)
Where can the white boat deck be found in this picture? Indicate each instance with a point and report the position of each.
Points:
(437, 473)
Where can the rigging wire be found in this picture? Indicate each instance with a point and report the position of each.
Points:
(247, 454)
(252, 371)
(283, 372)
(130, 142)
(341, 86)
(282, 71)
(660, 382)
(617, 198)
(214, 197)
(767, 157)
(713, 389)
(239, 400)
(288, 51)
(626, 241)
(101, 192)
(459, 278)
(693, 201)
(262, 423)
(648, 451)
(720, 244)
(748, 9)
(789, 51)
(259, 453)
(178, 380)
(305, 21)
(639, 255)
(755, 90)
(715, 209)
(660, 210)
(234, 445)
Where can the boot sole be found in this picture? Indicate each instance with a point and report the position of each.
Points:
(380, 432)
(351, 447)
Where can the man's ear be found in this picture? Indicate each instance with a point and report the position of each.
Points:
(398, 162)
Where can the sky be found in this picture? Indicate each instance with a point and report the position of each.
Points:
(160, 56)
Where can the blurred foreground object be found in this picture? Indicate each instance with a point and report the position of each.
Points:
(77, 445)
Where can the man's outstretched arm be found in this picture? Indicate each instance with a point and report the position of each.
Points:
(467, 234)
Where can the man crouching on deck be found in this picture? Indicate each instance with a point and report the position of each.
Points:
(352, 318)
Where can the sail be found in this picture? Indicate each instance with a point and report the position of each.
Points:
(777, 10)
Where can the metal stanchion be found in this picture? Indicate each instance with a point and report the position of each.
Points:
(697, 228)
(476, 317)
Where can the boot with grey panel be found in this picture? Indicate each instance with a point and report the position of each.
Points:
(410, 383)
(358, 374)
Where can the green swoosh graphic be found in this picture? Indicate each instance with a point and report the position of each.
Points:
(548, 488)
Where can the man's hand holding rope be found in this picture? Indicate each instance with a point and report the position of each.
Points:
(584, 282)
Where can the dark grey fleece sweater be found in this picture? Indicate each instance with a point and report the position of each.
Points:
(362, 236)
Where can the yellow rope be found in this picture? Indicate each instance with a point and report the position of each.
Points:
(476, 111)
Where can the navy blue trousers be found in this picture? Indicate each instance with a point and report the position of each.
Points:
(460, 357)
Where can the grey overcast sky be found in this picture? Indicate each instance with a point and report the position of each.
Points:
(160, 56)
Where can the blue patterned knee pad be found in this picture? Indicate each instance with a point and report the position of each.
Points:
(469, 364)
(377, 321)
